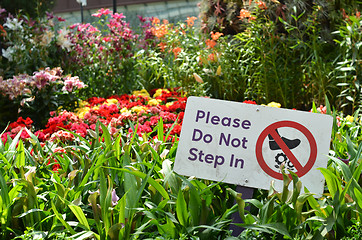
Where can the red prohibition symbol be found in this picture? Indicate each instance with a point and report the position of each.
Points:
(271, 129)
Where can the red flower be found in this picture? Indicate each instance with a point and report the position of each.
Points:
(249, 102)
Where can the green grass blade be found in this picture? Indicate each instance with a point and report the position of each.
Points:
(60, 218)
(78, 212)
(181, 209)
(4, 191)
(332, 181)
(151, 181)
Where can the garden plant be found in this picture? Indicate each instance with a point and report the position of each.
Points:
(91, 114)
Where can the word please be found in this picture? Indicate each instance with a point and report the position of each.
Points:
(224, 121)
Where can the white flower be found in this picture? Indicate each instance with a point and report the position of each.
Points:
(8, 53)
(47, 38)
(83, 2)
(63, 41)
(13, 24)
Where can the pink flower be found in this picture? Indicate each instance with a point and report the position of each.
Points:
(101, 12)
(322, 109)
(118, 16)
(71, 82)
(115, 198)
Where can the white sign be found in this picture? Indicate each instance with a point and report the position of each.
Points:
(245, 144)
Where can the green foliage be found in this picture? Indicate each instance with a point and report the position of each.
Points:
(221, 16)
(350, 42)
(29, 44)
(120, 187)
(32, 8)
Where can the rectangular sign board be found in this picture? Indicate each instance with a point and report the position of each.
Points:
(245, 144)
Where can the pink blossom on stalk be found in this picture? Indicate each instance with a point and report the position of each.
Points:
(43, 78)
(82, 27)
(71, 82)
(62, 136)
(322, 109)
(101, 12)
(118, 16)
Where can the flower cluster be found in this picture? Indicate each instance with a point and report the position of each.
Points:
(26, 85)
(14, 128)
(27, 42)
(115, 112)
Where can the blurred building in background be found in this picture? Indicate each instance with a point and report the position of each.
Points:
(173, 11)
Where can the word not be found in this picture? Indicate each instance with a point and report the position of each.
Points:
(235, 142)
(217, 160)
(225, 139)
(225, 121)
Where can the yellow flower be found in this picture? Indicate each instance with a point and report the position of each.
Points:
(159, 92)
(125, 110)
(218, 71)
(142, 92)
(274, 104)
(154, 102)
(82, 111)
(83, 103)
(169, 104)
(95, 108)
(138, 109)
(198, 78)
(111, 101)
(350, 118)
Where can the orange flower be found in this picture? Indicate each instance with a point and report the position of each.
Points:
(244, 14)
(165, 21)
(162, 46)
(176, 51)
(252, 18)
(345, 16)
(160, 31)
(210, 43)
(155, 21)
(358, 14)
(261, 5)
(211, 57)
(191, 21)
(215, 36)
(2, 31)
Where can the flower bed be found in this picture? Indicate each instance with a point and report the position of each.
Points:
(114, 112)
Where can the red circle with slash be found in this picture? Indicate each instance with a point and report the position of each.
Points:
(271, 129)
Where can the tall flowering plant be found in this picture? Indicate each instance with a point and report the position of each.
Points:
(175, 57)
(36, 95)
(102, 53)
(29, 44)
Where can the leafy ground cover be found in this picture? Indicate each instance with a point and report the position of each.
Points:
(105, 172)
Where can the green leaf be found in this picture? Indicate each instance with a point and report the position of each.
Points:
(160, 130)
(105, 200)
(328, 106)
(113, 232)
(4, 191)
(151, 181)
(239, 201)
(78, 212)
(332, 181)
(345, 169)
(181, 209)
(85, 235)
(60, 218)
(270, 228)
(358, 197)
(106, 135)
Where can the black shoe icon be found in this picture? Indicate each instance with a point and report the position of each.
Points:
(290, 143)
